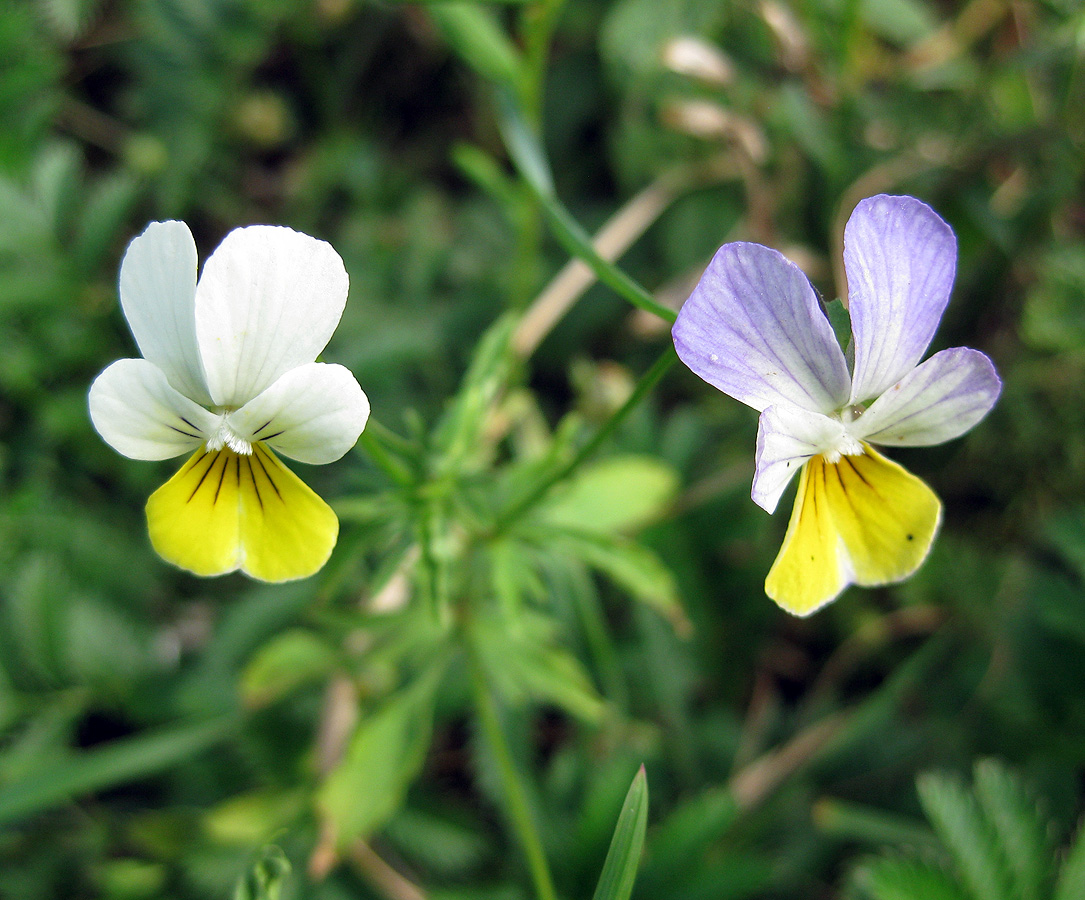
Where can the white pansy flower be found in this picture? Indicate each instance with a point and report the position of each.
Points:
(229, 371)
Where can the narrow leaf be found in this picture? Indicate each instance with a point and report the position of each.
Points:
(283, 664)
(631, 566)
(1071, 883)
(600, 498)
(386, 752)
(623, 858)
(956, 818)
(475, 35)
(530, 162)
(1022, 831)
(115, 763)
(896, 878)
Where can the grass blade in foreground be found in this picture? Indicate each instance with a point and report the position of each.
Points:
(620, 868)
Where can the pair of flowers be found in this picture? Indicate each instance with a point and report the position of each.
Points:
(229, 372)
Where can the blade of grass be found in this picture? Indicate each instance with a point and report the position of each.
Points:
(623, 858)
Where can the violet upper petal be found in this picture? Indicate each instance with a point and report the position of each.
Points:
(935, 402)
(753, 328)
(900, 259)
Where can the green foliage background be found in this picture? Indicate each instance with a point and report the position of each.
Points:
(456, 706)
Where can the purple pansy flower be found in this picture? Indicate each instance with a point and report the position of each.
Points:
(754, 328)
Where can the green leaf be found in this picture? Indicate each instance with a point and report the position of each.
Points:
(265, 878)
(631, 566)
(957, 820)
(529, 661)
(840, 319)
(623, 858)
(282, 665)
(904, 22)
(385, 754)
(1071, 882)
(477, 38)
(104, 213)
(514, 576)
(621, 493)
(115, 763)
(895, 878)
(457, 437)
(1022, 831)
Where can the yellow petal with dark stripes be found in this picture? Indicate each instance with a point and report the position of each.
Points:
(864, 519)
(224, 511)
(808, 571)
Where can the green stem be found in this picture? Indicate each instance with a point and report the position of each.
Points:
(539, 19)
(530, 161)
(646, 383)
(523, 822)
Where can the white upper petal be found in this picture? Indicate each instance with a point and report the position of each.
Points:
(267, 302)
(787, 437)
(900, 259)
(158, 291)
(139, 414)
(935, 402)
(753, 328)
(313, 414)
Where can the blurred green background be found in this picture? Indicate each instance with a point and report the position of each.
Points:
(157, 729)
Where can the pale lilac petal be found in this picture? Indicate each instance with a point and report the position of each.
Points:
(267, 302)
(787, 437)
(313, 414)
(935, 402)
(139, 414)
(900, 259)
(158, 296)
(753, 328)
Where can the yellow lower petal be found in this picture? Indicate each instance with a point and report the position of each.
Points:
(224, 511)
(809, 570)
(287, 530)
(864, 519)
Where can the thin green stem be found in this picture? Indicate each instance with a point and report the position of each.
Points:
(530, 161)
(519, 811)
(539, 20)
(646, 383)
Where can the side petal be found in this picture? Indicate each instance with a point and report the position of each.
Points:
(313, 414)
(225, 511)
(754, 329)
(937, 401)
(900, 259)
(810, 569)
(158, 297)
(886, 517)
(139, 414)
(267, 302)
(786, 438)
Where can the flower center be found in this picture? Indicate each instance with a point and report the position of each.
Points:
(846, 445)
(225, 436)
